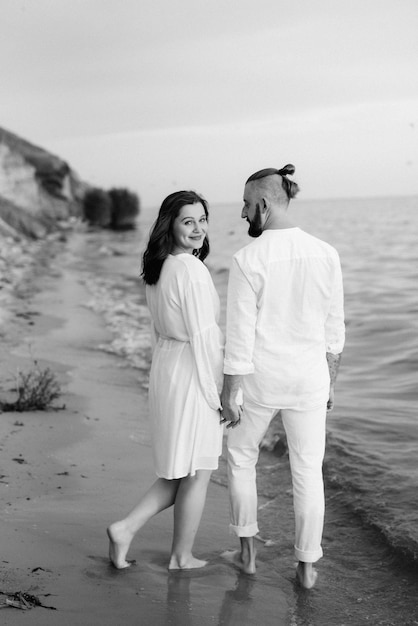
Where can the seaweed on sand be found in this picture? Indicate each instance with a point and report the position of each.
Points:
(21, 600)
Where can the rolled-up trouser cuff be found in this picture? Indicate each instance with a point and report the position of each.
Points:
(244, 531)
(308, 557)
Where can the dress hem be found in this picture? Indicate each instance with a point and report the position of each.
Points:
(191, 472)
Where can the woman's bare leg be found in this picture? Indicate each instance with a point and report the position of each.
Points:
(188, 509)
(160, 496)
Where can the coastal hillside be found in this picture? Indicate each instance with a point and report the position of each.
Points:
(37, 188)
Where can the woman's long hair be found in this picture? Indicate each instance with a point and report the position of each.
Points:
(161, 240)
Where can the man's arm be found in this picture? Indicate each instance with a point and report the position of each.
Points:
(231, 411)
(335, 330)
(241, 317)
(333, 361)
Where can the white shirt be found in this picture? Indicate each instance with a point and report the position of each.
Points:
(284, 313)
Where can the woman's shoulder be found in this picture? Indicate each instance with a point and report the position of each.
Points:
(191, 266)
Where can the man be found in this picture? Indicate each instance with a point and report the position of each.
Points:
(284, 338)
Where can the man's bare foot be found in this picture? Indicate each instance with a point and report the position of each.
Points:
(306, 574)
(119, 542)
(247, 565)
(187, 563)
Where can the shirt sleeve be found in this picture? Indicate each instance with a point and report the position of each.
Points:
(206, 337)
(241, 318)
(334, 324)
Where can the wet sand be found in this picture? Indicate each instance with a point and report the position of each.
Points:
(67, 473)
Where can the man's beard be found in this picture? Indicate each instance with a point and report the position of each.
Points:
(255, 228)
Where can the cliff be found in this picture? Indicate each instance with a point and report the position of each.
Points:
(37, 188)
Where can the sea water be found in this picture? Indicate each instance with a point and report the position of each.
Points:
(372, 447)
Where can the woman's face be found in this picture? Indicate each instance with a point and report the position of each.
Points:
(189, 229)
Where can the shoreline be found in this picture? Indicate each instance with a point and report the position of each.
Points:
(79, 469)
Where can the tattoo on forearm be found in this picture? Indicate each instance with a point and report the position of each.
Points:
(333, 365)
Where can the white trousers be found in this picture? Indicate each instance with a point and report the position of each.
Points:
(305, 432)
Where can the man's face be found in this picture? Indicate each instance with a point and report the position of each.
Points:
(251, 211)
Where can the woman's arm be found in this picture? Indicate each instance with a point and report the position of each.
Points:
(206, 339)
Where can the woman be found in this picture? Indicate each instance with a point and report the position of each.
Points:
(185, 378)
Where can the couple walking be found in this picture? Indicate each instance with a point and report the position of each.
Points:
(284, 338)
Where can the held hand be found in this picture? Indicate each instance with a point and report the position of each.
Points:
(231, 414)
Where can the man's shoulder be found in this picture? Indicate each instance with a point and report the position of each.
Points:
(253, 247)
(248, 257)
(298, 236)
(297, 244)
(319, 244)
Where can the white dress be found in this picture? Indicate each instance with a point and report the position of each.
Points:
(186, 370)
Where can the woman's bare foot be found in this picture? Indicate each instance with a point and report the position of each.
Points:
(245, 563)
(187, 563)
(306, 574)
(119, 542)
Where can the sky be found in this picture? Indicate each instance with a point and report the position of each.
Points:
(161, 95)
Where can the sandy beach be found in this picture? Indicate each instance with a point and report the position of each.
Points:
(67, 473)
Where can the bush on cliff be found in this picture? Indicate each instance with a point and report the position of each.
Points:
(97, 207)
(117, 208)
(125, 208)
